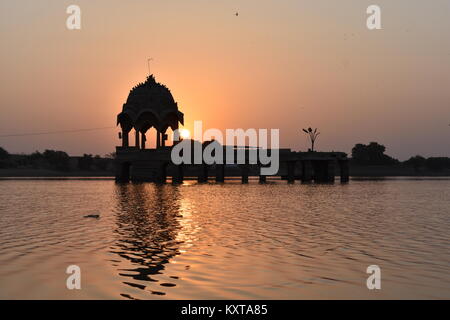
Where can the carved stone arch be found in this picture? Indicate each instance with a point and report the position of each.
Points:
(146, 120)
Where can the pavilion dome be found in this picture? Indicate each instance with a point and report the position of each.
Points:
(150, 104)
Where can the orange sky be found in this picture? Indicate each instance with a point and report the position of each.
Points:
(279, 64)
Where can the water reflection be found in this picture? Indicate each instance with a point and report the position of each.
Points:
(225, 241)
(148, 222)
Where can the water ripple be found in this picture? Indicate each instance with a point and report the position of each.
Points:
(202, 241)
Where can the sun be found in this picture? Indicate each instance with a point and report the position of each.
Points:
(184, 133)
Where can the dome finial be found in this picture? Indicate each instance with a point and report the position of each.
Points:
(151, 78)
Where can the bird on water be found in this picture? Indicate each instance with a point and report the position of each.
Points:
(96, 216)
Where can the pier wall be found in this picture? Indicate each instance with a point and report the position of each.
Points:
(155, 165)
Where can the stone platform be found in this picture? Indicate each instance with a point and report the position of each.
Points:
(155, 165)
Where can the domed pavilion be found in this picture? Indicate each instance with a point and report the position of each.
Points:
(149, 104)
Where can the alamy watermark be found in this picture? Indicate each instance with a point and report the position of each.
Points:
(374, 20)
(239, 147)
(73, 21)
(74, 280)
(374, 280)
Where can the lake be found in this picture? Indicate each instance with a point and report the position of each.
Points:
(225, 241)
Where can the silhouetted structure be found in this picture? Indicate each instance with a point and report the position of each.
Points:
(151, 104)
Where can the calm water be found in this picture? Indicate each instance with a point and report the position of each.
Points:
(229, 240)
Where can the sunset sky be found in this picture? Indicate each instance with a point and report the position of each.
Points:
(278, 64)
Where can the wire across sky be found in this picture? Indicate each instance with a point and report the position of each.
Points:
(53, 132)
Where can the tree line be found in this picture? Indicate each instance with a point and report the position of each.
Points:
(54, 160)
(373, 154)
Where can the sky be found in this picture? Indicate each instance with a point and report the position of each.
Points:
(278, 64)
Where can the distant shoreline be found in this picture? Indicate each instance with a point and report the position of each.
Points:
(398, 170)
(355, 172)
(44, 173)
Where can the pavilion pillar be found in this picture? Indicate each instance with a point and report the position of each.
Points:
(143, 140)
(245, 169)
(136, 136)
(220, 172)
(306, 171)
(345, 172)
(262, 178)
(291, 171)
(163, 139)
(123, 172)
(162, 174)
(178, 174)
(158, 139)
(331, 171)
(124, 138)
(203, 173)
(320, 170)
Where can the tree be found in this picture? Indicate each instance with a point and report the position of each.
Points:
(111, 155)
(100, 163)
(416, 162)
(4, 158)
(437, 163)
(371, 154)
(56, 159)
(313, 134)
(3, 153)
(86, 162)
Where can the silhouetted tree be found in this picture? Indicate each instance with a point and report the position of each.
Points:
(313, 134)
(4, 158)
(437, 163)
(111, 155)
(56, 159)
(371, 154)
(36, 160)
(35, 155)
(86, 162)
(101, 163)
(416, 162)
(3, 153)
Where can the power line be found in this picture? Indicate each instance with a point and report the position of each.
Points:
(53, 132)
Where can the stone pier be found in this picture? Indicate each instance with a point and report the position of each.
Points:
(344, 168)
(202, 173)
(220, 172)
(307, 171)
(137, 164)
(245, 171)
(178, 175)
(291, 171)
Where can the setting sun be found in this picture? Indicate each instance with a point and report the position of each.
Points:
(184, 133)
